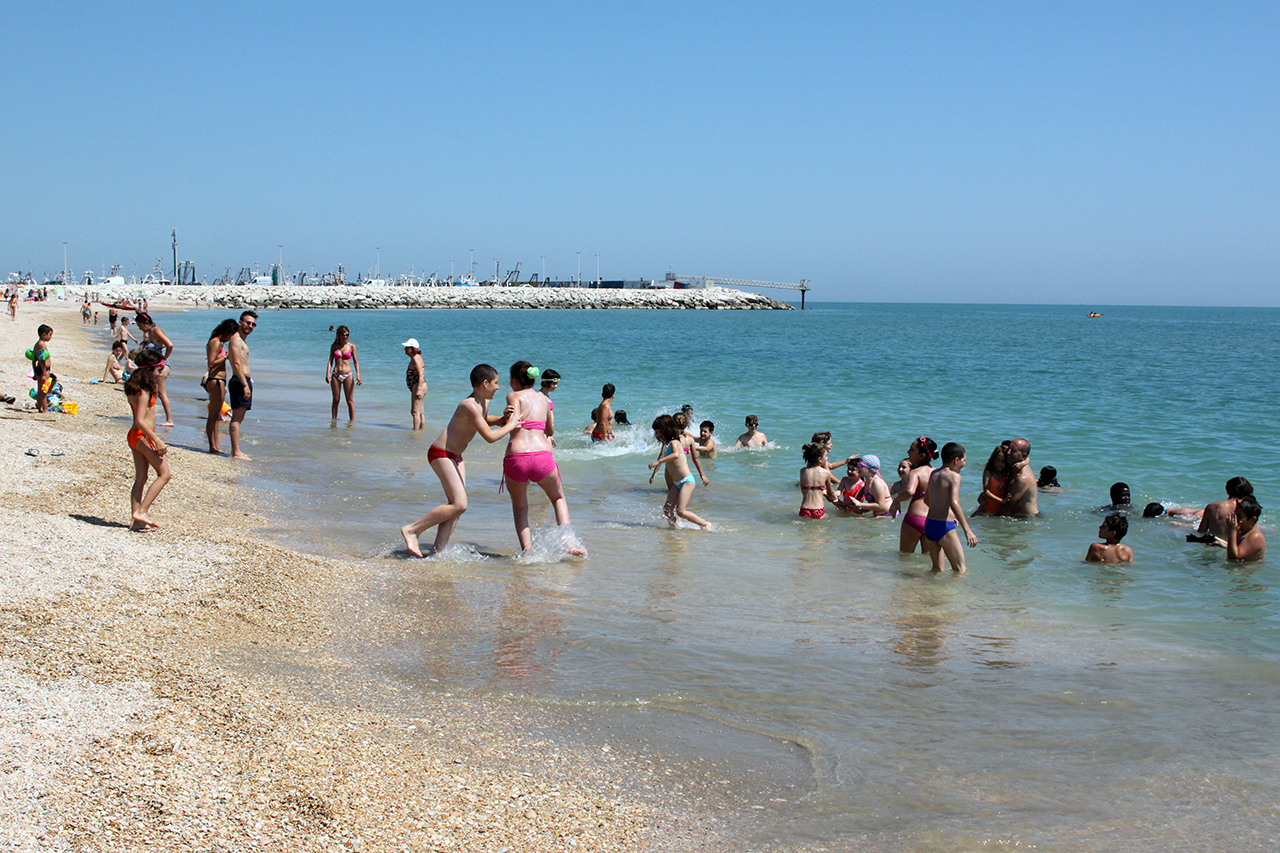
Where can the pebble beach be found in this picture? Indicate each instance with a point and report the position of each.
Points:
(131, 722)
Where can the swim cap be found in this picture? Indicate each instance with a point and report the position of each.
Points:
(871, 461)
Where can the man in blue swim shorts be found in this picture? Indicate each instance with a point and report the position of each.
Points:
(940, 534)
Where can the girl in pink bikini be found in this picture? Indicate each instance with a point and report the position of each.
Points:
(529, 458)
(914, 487)
(816, 482)
(342, 373)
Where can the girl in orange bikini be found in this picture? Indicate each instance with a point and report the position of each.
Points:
(148, 450)
(995, 479)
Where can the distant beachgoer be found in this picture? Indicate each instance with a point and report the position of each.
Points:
(914, 493)
(1109, 550)
(13, 305)
(706, 444)
(1243, 539)
(42, 365)
(342, 371)
(153, 337)
(1048, 478)
(415, 377)
(995, 481)
(1020, 496)
(816, 482)
(668, 432)
(149, 451)
(85, 311)
(240, 385)
(215, 379)
(445, 456)
(602, 429)
(1215, 517)
(529, 457)
(752, 437)
(113, 317)
(687, 411)
(874, 497)
(1120, 499)
(940, 534)
(1159, 510)
(95, 318)
(118, 364)
(122, 332)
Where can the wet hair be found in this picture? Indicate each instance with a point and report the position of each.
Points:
(709, 425)
(821, 438)
(926, 447)
(751, 420)
(1249, 508)
(620, 417)
(1048, 477)
(483, 373)
(549, 377)
(142, 318)
(1120, 494)
(226, 327)
(523, 374)
(813, 453)
(951, 451)
(1000, 454)
(249, 313)
(143, 379)
(687, 409)
(1117, 524)
(606, 393)
(666, 427)
(337, 336)
(1153, 510)
(681, 419)
(43, 330)
(1237, 487)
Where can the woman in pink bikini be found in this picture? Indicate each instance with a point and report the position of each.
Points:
(915, 485)
(342, 373)
(529, 458)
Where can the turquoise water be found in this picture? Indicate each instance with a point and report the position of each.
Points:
(1036, 701)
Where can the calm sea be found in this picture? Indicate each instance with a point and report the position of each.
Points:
(1036, 701)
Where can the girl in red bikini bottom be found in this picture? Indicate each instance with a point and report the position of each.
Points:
(816, 482)
(149, 451)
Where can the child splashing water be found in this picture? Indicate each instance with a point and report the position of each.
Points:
(148, 450)
(816, 481)
(669, 432)
(529, 458)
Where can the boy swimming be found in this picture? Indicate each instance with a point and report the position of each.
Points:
(1109, 550)
(940, 536)
(706, 444)
(445, 456)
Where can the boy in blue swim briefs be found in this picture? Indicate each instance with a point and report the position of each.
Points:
(940, 534)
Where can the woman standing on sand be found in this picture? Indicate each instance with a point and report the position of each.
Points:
(153, 337)
(343, 370)
(529, 457)
(215, 378)
(916, 484)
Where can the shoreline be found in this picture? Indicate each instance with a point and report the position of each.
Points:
(130, 727)
(349, 297)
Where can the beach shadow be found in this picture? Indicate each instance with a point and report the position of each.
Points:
(97, 522)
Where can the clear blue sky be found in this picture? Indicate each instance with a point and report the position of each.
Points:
(1085, 152)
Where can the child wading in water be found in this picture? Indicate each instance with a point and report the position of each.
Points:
(445, 456)
(148, 450)
(669, 432)
(1109, 550)
(816, 481)
(940, 534)
(415, 376)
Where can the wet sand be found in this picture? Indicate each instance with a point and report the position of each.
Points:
(129, 721)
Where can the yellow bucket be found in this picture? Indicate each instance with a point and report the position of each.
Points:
(71, 408)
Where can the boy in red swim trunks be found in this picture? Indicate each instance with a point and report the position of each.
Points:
(445, 456)
(602, 429)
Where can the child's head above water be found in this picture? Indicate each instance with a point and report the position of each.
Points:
(665, 428)
(550, 379)
(751, 422)
(483, 373)
(952, 451)
(813, 454)
(1117, 524)
(681, 419)
(523, 374)
(606, 393)
(706, 428)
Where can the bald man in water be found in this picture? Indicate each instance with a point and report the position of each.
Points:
(1020, 495)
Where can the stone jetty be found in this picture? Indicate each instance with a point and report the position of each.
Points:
(349, 297)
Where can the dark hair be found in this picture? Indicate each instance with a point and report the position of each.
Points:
(1048, 477)
(523, 374)
(482, 373)
(1153, 510)
(1117, 524)
(620, 417)
(1237, 487)
(549, 377)
(1249, 508)
(687, 408)
(606, 393)
(926, 447)
(43, 328)
(117, 345)
(337, 335)
(666, 426)
(813, 453)
(143, 318)
(143, 379)
(1000, 455)
(709, 425)
(1119, 491)
(751, 420)
(821, 438)
(226, 327)
(249, 313)
(951, 451)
